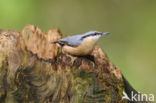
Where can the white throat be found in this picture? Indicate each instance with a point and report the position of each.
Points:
(96, 37)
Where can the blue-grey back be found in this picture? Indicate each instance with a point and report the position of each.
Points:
(74, 40)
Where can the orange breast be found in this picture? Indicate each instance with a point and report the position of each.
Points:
(84, 49)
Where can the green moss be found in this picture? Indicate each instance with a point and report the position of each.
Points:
(81, 81)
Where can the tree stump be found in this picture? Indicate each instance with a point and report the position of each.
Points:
(32, 70)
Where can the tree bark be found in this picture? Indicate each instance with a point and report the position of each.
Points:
(32, 70)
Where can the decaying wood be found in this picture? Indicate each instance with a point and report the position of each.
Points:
(33, 71)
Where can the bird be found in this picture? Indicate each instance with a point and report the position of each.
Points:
(81, 44)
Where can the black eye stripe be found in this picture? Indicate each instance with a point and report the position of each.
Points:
(98, 33)
(91, 35)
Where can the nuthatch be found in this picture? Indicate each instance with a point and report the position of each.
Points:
(80, 45)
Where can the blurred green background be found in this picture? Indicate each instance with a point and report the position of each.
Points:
(131, 46)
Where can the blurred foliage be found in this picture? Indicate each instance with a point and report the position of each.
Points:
(130, 46)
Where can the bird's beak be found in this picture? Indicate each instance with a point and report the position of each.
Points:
(105, 33)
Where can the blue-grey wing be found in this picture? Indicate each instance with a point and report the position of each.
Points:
(72, 40)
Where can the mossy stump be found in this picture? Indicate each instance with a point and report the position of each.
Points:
(32, 70)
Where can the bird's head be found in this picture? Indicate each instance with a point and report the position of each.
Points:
(94, 35)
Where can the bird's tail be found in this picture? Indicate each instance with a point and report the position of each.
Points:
(54, 42)
(58, 43)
